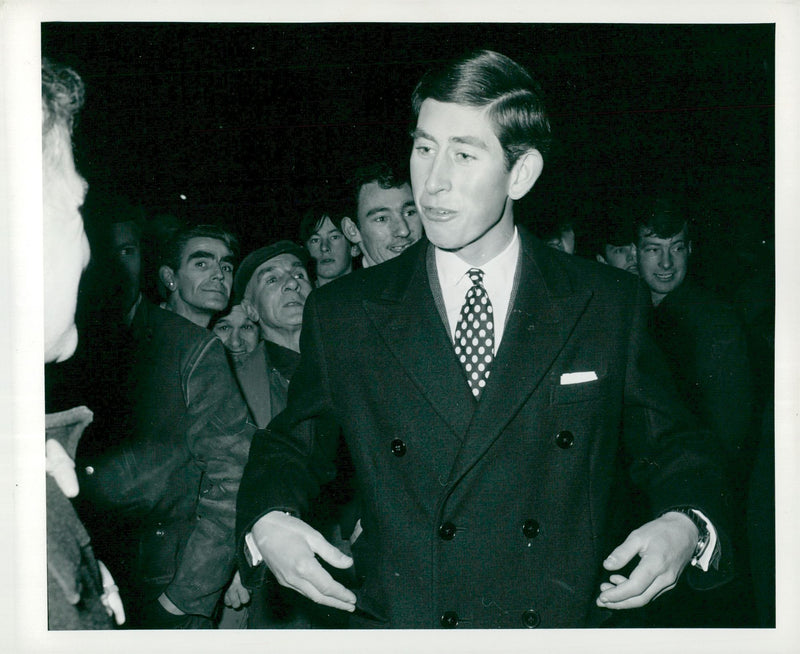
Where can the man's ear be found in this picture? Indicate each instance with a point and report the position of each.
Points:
(167, 277)
(524, 173)
(351, 230)
(250, 310)
(600, 259)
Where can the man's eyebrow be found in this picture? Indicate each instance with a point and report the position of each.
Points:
(474, 141)
(200, 254)
(418, 133)
(375, 210)
(264, 271)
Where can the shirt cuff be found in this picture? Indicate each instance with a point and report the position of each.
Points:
(251, 552)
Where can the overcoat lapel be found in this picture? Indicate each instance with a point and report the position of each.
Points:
(542, 316)
(406, 317)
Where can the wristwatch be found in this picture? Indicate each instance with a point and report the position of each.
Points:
(702, 530)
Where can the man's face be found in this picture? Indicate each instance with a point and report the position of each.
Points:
(126, 253)
(331, 250)
(203, 281)
(460, 181)
(622, 257)
(387, 222)
(237, 332)
(278, 290)
(663, 262)
(65, 246)
(565, 242)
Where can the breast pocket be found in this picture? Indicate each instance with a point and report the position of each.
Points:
(574, 393)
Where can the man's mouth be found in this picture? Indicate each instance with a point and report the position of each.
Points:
(438, 214)
(398, 248)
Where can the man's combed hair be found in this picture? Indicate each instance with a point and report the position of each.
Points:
(663, 216)
(382, 173)
(172, 253)
(62, 95)
(488, 79)
(314, 215)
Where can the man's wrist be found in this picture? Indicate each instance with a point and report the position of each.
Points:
(706, 551)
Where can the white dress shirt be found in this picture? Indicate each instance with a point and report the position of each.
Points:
(498, 280)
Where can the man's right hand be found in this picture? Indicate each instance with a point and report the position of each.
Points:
(289, 546)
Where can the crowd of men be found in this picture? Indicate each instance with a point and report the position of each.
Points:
(412, 412)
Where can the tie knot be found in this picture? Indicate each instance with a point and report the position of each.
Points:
(476, 275)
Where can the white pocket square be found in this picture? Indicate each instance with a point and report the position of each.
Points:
(578, 377)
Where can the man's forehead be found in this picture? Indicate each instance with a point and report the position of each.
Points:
(214, 246)
(372, 196)
(326, 226)
(236, 316)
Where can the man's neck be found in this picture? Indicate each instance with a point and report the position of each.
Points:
(287, 339)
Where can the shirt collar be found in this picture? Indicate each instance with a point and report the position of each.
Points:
(453, 268)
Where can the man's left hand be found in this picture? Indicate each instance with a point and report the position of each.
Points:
(664, 545)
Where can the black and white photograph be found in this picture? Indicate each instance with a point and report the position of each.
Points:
(475, 324)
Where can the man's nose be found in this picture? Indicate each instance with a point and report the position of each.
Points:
(216, 270)
(631, 258)
(291, 283)
(400, 226)
(236, 339)
(325, 245)
(666, 259)
(438, 178)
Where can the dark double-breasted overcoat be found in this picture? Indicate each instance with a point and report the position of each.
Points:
(495, 513)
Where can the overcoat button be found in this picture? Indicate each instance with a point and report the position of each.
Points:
(398, 447)
(449, 619)
(89, 470)
(159, 532)
(531, 619)
(447, 531)
(565, 439)
(530, 528)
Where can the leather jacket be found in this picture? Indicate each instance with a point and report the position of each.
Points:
(161, 482)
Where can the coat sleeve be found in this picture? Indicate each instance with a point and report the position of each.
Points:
(218, 436)
(295, 456)
(670, 459)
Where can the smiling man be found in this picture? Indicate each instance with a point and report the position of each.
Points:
(386, 218)
(490, 392)
(198, 272)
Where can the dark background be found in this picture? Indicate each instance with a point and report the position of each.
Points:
(248, 121)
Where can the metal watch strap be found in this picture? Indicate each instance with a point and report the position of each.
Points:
(702, 530)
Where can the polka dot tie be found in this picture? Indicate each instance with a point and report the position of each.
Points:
(474, 337)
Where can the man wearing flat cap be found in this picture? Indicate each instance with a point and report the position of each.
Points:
(272, 285)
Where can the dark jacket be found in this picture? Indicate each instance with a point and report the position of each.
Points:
(162, 487)
(263, 377)
(489, 514)
(706, 350)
